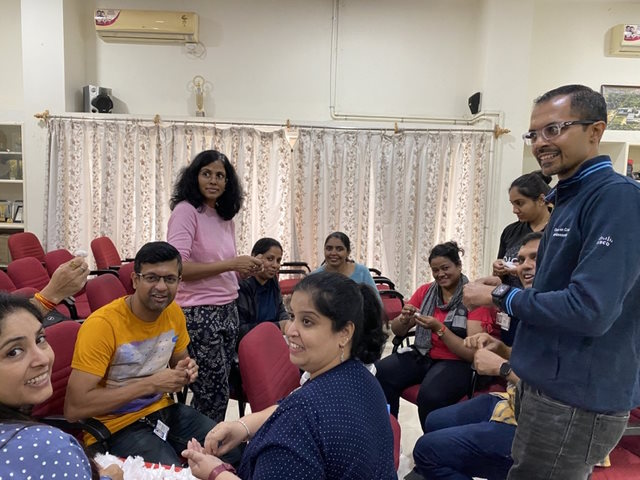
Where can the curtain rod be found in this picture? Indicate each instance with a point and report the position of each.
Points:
(46, 116)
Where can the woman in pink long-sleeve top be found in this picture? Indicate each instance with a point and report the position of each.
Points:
(206, 197)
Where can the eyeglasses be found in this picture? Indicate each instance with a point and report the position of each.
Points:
(551, 131)
(152, 278)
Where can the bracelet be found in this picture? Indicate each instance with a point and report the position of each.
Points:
(440, 332)
(46, 303)
(246, 428)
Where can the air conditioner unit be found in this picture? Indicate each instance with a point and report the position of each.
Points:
(625, 41)
(144, 26)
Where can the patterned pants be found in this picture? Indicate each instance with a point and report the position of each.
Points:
(213, 330)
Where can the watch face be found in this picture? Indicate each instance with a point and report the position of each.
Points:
(505, 369)
(500, 290)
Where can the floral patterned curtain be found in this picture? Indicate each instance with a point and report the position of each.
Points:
(395, 195)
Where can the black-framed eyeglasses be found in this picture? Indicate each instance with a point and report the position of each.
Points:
(551, 131)
(152, 278)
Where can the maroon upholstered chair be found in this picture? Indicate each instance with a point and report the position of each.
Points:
(267, 373)
(106, 254)
(25, 244)
(124, 274)
(102, 290)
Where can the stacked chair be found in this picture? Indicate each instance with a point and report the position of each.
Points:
(106, 254)
(295, 271)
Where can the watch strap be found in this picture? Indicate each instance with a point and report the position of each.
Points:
(223, 467)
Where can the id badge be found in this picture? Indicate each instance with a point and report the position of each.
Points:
(503, 320)
(161, 430)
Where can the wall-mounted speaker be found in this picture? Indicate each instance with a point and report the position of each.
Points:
(97, 99)
(474, 102)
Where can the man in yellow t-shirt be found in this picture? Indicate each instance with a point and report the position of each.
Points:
(119, 368)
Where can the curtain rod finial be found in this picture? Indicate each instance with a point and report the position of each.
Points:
(44, 116)
(499, 131)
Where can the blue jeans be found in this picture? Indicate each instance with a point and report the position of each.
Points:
(138, 438)
(557, 441)
(461, 442)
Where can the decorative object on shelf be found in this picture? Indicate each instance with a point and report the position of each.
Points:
(18, 206)
(198, 87)
(5, 211)
(623, 106)
(97, 99)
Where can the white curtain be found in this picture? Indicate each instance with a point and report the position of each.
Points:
(395, 195)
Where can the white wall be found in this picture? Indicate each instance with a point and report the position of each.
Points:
(269, 60)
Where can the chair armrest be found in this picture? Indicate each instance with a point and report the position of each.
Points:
(104, 271)
(398, 341)
(292, 271)
(70, 303)
(384, 281)
(90, 425)
(376, 271)
(299, 265)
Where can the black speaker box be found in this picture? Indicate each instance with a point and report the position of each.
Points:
(474, 102)
(97, 99)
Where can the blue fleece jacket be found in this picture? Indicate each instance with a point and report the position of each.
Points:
(579, 334)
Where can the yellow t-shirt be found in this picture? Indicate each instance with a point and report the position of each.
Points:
(120, 348)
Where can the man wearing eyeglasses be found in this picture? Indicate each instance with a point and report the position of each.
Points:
(119, 368)
(577, 349)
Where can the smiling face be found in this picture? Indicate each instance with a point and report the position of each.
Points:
(26, 360)
(212, 180)
(525, 208)
(151, 298)
(563, 154)
(271, 260)
(313, 345)
(526, 268)
(335, 252)
(445, 272)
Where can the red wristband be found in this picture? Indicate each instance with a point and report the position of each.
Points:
(223, 467)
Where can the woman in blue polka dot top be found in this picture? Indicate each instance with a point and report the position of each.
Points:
(335, 426)
(30, 450)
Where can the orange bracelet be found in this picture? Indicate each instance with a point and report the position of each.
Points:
(440, 332)
(46, 303)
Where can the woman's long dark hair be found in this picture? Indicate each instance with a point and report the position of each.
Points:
(342, 301)
(187, 187)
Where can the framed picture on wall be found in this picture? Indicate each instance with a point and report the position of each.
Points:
(623, 106)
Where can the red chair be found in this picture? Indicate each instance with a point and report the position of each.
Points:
(124, 274)
(62, 338)
(297, 271)
(6, 284)
(267, 373)
(106, 254)
(383, 283)
(102, 290)
(392, 303)
(25, 244)
(28, 272)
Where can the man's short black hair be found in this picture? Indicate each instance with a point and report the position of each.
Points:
(157, 252)
(530, 237)
(586, 103)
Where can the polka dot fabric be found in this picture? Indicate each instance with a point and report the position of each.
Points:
(34, 452)
(335, 426)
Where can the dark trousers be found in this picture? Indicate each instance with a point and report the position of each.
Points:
(184, 424)
(442, 382)
(461, 443)
(555, 441)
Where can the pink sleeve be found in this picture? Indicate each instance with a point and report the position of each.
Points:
(181, 229)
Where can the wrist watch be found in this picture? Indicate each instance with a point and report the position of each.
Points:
(505, 369)
(499, 293)
(223, 467)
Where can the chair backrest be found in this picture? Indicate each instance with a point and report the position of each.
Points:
(105, 253)
(25, 244)
(55, 258)
(103, 289)
(267, 373)
(28, 272)
(62, 338)
(392, 303)
(124, 274)
(6, 284)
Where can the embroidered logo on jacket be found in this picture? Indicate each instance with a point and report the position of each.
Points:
(606, 241)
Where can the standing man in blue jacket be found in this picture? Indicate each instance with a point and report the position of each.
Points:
(577, 349)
